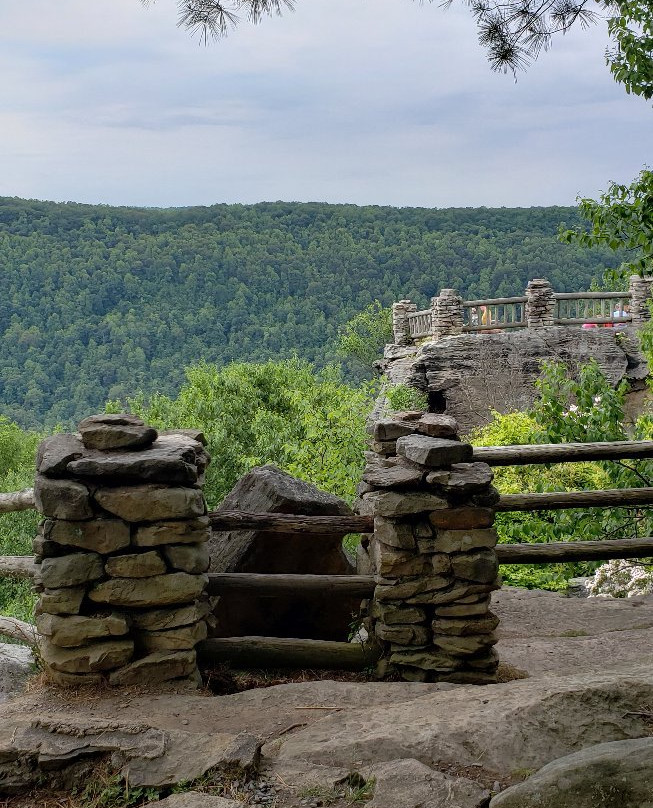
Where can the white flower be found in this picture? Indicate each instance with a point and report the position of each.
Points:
(597, 399)
(573, 408)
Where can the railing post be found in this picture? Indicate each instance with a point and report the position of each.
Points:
(446, 314)
(432, 553)
(640, 297)
(540, 303)
(400, 326)
(121, 554)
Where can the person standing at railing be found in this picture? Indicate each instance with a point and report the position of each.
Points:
(620, 313)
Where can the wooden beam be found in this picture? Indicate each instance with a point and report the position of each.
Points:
(561, 500)
(286, 652)
(24, 633)
(563, 551)
(291, 523)
(17, 501)
(287, 584)
(17, 567)
(562, 452)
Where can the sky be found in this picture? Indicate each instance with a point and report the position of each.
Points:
(383, 102)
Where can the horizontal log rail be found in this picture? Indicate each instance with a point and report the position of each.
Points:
(592, 295)
(561, 500)
(17, 501)
(286, 652)
(559, 552)
(24, 633)
(288, 584)
(537, 453)
(17, 567)
(494, 301)
(290, 523)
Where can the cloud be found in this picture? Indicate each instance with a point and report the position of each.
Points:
(383, 102)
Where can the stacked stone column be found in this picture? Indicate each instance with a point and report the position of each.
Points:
(432, 552)
(122, 553)
(640, 298)
(446, 314)
(540, 303)
(400, 326)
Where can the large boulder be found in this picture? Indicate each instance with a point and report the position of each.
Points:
(608, 775)
(268, 489)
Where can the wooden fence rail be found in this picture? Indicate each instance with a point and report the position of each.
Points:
(287, 584)
(563, 500)
(290, 523)
(538, 453)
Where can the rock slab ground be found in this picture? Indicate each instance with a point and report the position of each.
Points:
(426, 745)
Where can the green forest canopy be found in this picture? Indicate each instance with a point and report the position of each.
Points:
(100, 302)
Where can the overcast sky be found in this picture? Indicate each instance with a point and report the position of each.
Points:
(384, 102)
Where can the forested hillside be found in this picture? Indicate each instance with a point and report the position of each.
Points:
(100, 302)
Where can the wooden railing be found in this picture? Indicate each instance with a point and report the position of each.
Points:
(420, 324)
(498, 312)
(592, 308)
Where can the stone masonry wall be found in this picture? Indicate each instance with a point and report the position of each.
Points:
(432, 551)
(121, 552)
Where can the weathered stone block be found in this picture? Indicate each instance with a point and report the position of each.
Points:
(159, 590)
(155, 668)
(409, 590)
(100, 656)
(388, 429)
(426, 660)
(70, 570)
(482, 566)
(161, 619)
(464, 646)
(392, 615)
(403, 634)
(176, 639)
(74, 679)
(385, 447)
(46, 549)
(464, 518)
(191, 531)
(69, 632)
(101, 535)
(63, 499)
(459, 541)
(193, 558)
(384, 474)
(469, 478)
(151, 503)
(460, 590)
(119, 431)
(434, 452)
(478, 608)
(394, 533)
(463, 628)
(54, 454)
(437, 426)
(60, 601)
(391, 503)
(135, 565)
(393, 563)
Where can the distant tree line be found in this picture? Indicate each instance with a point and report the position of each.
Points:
(99, 302)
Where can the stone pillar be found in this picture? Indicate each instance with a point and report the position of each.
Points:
(640, 298)
(400, 327)
(433, 553)
(540, 303)
(447, 314)
(122, 553)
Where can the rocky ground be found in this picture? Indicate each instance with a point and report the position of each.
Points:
(589, 667)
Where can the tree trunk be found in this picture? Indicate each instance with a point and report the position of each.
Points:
(25, 633)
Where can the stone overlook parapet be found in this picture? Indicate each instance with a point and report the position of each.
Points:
(121, 553)
(432, 551)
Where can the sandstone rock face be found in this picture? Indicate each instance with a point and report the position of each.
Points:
(151, 503)
(433, 452)
(268, 489)
(135, 565)
(514, 357)
(115, 432)
(56, 452)
(408, 783)
(61, 601)
(608, 775)
(194, 799)
(155, 668)
(16, 665)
